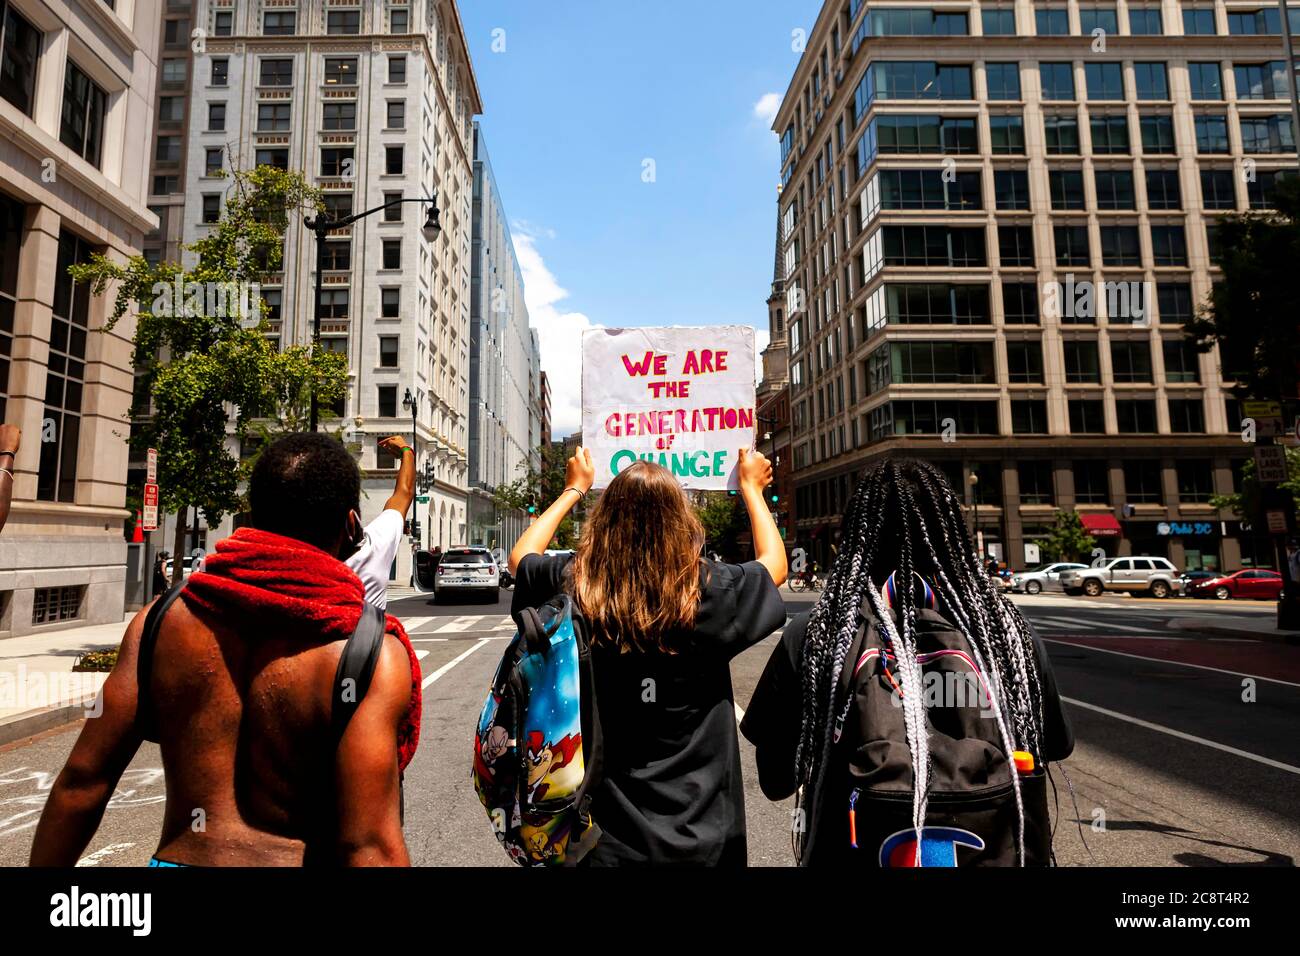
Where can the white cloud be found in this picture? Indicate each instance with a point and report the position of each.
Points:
(766, 107)
(559, 332)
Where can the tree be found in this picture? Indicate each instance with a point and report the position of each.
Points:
(723, 521)
(1251, 314)
(1245, 503)
(201, 352)
(1067, 541)
(537, 488)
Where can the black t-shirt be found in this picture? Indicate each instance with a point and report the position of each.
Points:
(773, 719)
(672, 790)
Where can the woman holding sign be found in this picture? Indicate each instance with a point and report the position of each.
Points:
(665, 622)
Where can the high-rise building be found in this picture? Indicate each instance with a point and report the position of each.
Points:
(76, 101)
(996, 218)
(544, 407)
(502, 360)
(374, 102)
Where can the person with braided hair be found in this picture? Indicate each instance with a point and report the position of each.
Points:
(908, 602)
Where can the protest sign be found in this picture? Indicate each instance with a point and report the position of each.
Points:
(680, 397)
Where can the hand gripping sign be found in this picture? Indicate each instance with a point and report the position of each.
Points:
(680, 397)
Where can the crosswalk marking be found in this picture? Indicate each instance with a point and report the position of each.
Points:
(1070, 624)
(453, 662)
(415, 623)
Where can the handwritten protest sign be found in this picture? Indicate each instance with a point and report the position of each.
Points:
(680, 397)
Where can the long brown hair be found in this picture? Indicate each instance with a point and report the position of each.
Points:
(636, 575)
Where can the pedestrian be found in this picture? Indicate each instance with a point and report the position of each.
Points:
(159, 573)
(10, 439)
(665, 622)
(239, 691)
(907, 600)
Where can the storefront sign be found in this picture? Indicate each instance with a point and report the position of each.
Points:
(1185, 529)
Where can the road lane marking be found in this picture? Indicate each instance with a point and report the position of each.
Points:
(413, 623)
(1160, 660)
(103, 853)
(1091, 625)
(453, 662)
(462, 623)
(1267, 761)
(429, 640)
(740, 713)
(421, 655)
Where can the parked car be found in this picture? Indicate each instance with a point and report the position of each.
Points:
(1044, 578)
(1192, 578)
(1255, 583)
(467, 570)
(1136, 574)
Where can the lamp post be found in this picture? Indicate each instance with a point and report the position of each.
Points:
(322, 226)
(411, 404)
(975, 499)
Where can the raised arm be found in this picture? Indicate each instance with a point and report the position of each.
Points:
(579, 473)
(769, 549)
(404, 490)
(103, 750)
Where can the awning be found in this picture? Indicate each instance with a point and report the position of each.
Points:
(1102, 525)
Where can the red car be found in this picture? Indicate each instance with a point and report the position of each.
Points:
(1241, 584)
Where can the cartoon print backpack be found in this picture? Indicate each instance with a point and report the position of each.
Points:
(537, 746)
(971, 817)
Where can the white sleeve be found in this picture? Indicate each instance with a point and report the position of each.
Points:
(373, 561)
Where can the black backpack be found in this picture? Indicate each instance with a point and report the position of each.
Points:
(971, 817)
(351, 678)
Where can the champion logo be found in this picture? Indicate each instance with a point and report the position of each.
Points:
(938, 847)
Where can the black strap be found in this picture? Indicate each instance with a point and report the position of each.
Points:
(145, 718)
(356, 667)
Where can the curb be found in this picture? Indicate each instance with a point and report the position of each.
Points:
(1291, 638)
(30, 723)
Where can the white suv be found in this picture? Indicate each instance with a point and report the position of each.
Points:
(1136, 574)
(467, 570)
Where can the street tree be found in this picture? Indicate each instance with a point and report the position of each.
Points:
(1067, 540)
(536, 488)
(1245, 503)
(201, 352)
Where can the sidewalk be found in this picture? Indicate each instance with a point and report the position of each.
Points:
(38, 688)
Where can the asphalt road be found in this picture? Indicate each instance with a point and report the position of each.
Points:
(1186, 748)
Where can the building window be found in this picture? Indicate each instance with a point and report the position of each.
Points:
(1082, 366)
(338, 205)
(394, 160)
(396, 114)
(1218, 191)
(335, 304)
(1036, 483)
(392, 213)
(273, 117)
(1011, 188)
(387, 397)
(929, 189)
(1092, 19)
(220, 71)
(1130, 360)
(1052, 22)
(1174, 300)
(1007, 134)
(390, 303)
(1061, 134)
(1087, 416)
(336, 255)
(1142, 483)
(167, 149)
(1091, 483)
(216, 117)
(1145, 21)
(65, 376)
(392, 254)
(1057, 80)
(916, 303)
(279, 24)
(1105, 81)
(20, 48)
(279, 158)
(81, 127)
(174, 70)
(340, 71)
(1016, 245)
(1169, 245)
(1003, 80)
(1182, 361)
(51, 605)
(399, 20)
(1262, 191)
(1212, 134)
(1157, 133)
(1186, 416)
(336, 161)
(1206, 81)
(1267, 134)
(171, 109)
(1071, 245)
(1120, 246)
(388, 351)
(223, 23)
(1261, 81)
(276, 72)
(998, 21)
(1199, 22)
(11, 233)
(1109, 134)
(1152, 81)
(273, 300)
(1025, 362)
(343, 22)
(211, 207)
(1029, 417)
(166, 185)
(212, 162)
(1195, 480)
(1163, 189)
(397, 69)
(339, 116)
(1114, 188)
(1136, 416)
(1019, 303)
(1066, 187)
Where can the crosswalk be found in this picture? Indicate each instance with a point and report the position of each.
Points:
(1076, 626)
(466, 624)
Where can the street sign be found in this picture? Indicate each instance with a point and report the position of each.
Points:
(1276, 522)
(1270, 464)
(422, 499)
(150, 518)
(1267, 417)
(151, 466)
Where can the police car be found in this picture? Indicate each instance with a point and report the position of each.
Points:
(467, 570)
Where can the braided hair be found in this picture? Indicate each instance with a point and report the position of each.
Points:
(905, 517)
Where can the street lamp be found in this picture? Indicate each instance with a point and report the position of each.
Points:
(412, 405)
(975, 499)
(322, 226)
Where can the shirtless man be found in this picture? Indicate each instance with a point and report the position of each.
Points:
(255, 774)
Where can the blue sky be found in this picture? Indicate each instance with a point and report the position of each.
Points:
(584, 92)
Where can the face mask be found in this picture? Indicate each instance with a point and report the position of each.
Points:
(358, 537)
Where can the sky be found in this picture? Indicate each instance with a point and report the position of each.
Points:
(586, 100)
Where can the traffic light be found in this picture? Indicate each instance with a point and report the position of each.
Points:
(775, 499)
(532, 508)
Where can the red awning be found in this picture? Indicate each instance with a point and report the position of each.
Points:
(1103, 525)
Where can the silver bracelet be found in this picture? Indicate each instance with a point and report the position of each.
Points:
(581, 494)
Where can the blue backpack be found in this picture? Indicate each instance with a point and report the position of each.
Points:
(537, 747)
